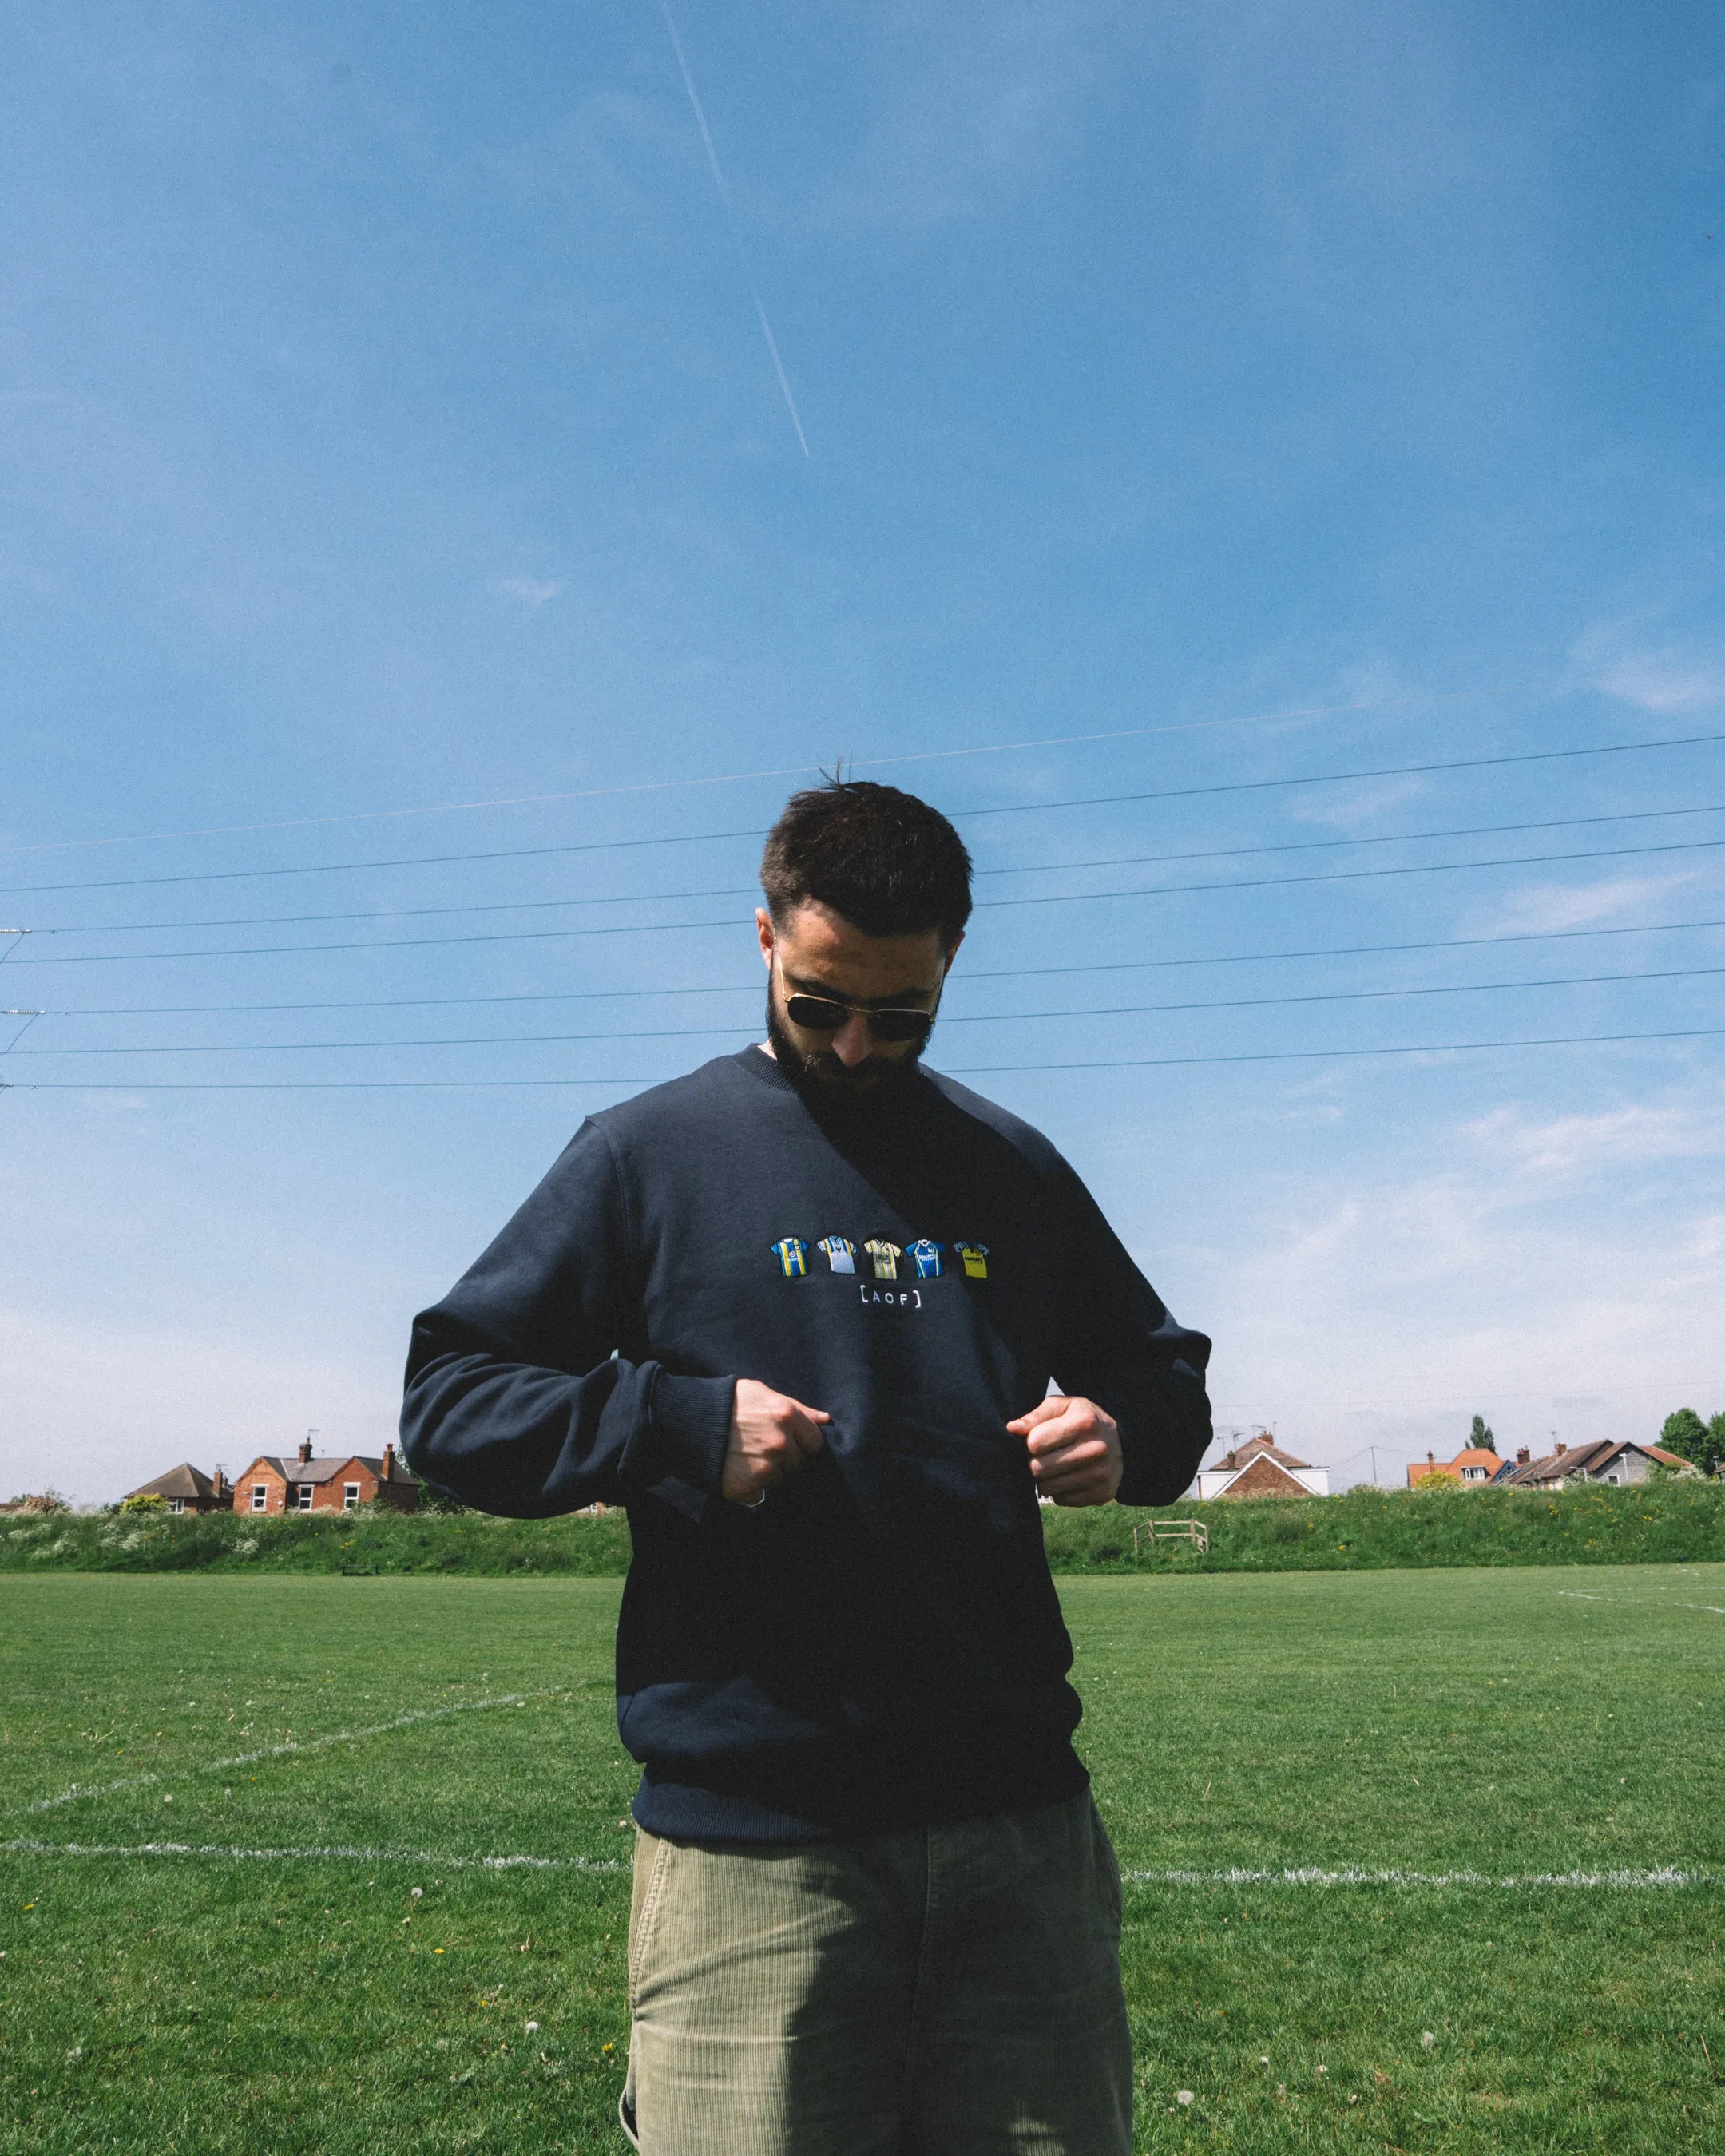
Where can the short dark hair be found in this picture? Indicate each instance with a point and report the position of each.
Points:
(883, 860)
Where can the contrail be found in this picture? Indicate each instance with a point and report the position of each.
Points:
(712, 159)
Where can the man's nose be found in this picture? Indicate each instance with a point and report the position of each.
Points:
(853, 1043)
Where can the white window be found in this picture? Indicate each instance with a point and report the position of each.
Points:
(178, 1504)
(260, 1495)
(305, 1497)
(350, 1495)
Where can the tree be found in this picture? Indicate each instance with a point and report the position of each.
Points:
(1479, 1436)
(1684, 1433)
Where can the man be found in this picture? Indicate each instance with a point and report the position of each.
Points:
(799, 1311)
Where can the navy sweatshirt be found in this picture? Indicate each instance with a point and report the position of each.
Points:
(880, 1644)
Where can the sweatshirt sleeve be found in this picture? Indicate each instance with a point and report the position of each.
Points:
(521, 1398)
(1120, 1345)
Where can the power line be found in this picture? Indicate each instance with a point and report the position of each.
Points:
(1351, 875)
(402, 861)
(759, 831)
(957, 1071)
(783, 771)
(961, 1018)
(666, 928)
(1032, 868)
(990, 974)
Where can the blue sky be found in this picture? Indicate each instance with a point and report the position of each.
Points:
(1218, 398)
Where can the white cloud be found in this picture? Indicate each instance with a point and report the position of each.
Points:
(1537, 908)
(1525, 1259)
(531, 591)
(1574, 1145)
(1675, 679)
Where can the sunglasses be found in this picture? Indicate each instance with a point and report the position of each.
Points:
(823, 1015)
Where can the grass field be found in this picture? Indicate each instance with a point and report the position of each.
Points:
(1521, 1748)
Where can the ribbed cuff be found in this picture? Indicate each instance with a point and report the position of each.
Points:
(688, 1430)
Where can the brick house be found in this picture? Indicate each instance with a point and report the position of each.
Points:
(1607, 1459)
(1260, 1468)
(274, 1484)
(189, 1489)
(1473, 1467)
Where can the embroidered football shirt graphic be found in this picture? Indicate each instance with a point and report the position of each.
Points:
(925, 1257)
(976, 1259)
(885, 1257)
(792, 1255)
(840, 1254)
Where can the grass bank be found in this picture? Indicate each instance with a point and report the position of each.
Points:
(1677, 1523)
(356, 1543)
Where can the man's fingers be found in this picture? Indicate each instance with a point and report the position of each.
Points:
(772, 1435)
(1075, 1459)
(1043, 1411)
(803, 1430)
(1071, 1428)
(1073, 1450)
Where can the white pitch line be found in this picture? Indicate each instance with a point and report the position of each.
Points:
(79, 1790)
(335, 1853)
(1576, 1594)
(1620, 1881)
(1666, 1878)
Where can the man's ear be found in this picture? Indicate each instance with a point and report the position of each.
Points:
(763, 929)
(952, 949)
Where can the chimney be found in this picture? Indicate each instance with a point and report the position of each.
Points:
(1561, 1449)
(305, 1448)
(218, 1487)
(1430, 1459)
(389, 1463)
(1522, 1456)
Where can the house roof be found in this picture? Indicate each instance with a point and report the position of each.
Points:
(1263, 1446)
(327, 1470)
(1590, 1459)
(1446, 1471)
(1263, 1476)
(184, 1481)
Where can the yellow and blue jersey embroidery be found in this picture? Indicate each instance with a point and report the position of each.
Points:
(924, 1260)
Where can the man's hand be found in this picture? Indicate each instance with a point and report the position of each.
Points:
(1075, 1450)
(772, 1435)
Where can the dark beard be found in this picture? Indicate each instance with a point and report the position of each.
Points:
(822, 1077)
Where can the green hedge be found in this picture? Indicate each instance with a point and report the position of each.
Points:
(1666, 1522)
(356, 1543)
(1675, 1522)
